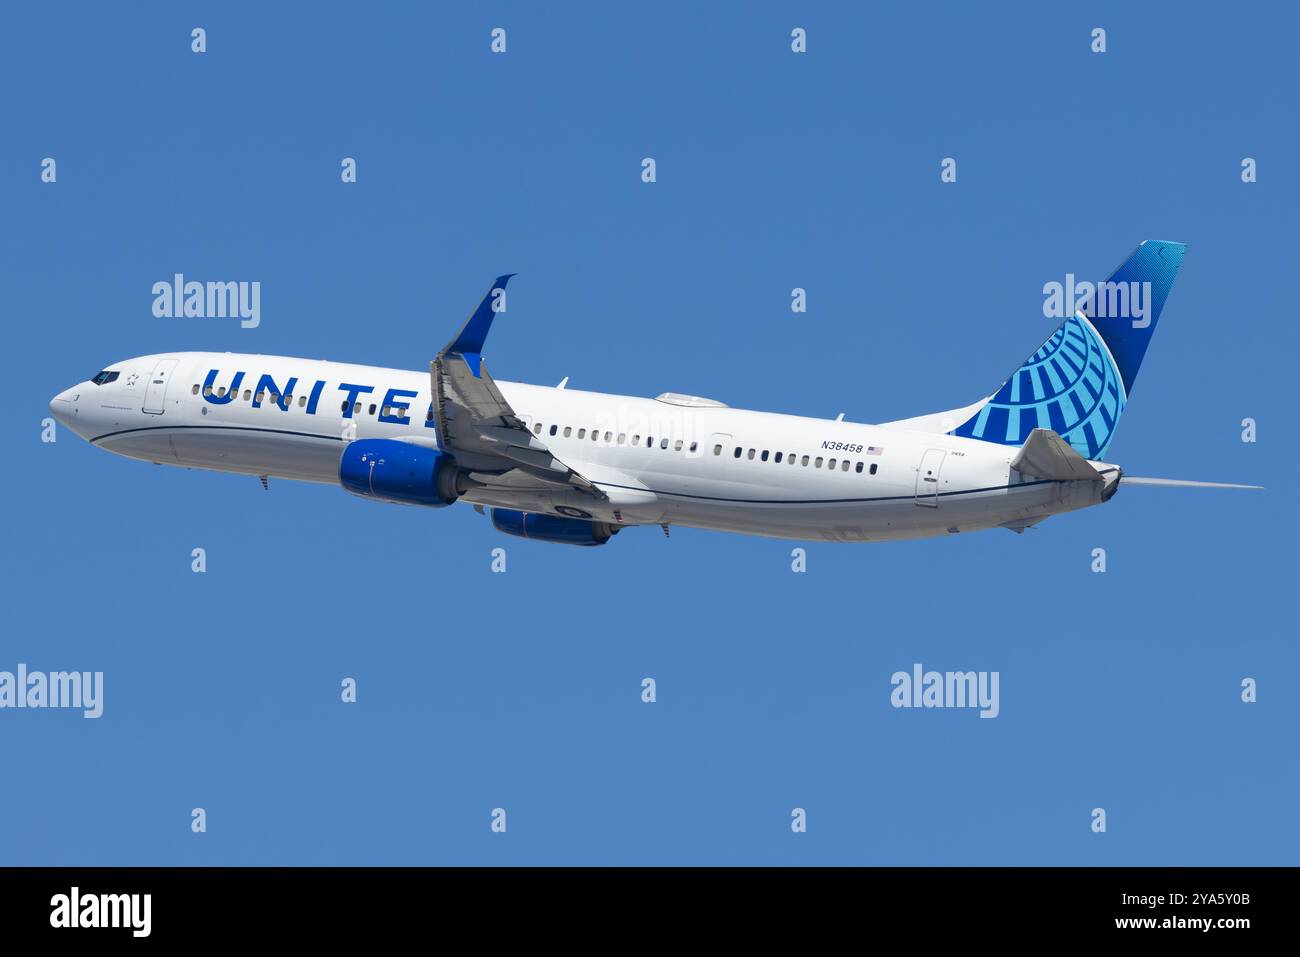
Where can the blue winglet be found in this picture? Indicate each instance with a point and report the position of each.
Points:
(469, 342)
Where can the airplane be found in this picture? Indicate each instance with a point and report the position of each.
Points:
(561, 465)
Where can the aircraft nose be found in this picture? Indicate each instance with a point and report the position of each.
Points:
(64, 406)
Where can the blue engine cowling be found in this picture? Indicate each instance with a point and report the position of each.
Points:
(402, 472)
(552, 528)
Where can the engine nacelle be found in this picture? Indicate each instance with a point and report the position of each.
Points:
(402, 472)
(552, 528)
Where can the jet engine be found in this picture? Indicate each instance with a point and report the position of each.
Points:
(552, 528)
(402, 472)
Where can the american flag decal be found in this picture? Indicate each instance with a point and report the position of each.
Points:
(874, 449)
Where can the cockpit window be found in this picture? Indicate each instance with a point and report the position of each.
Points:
(105, 377)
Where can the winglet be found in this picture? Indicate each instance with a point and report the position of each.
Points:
(469, 342)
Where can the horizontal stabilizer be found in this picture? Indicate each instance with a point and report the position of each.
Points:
(1046, 455)
(1179, 483)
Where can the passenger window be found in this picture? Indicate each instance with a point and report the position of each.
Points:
(582, 433)
(195, 390)
(568, 431)
(345, 406)
(649, 441)
(737, 451)
(622, 437)
(844, 466)
(302, 400)
(609, 437)
(677, 446)
(764, 455)
(694, 446)
(717, 449)
(777, 458)
(386, 410)
(663, 444)
(750, 455)
(830, 465)
(275, 397)
(207, 390)
(818, 463)
(221, 392)
(595, 436)
(537, 429)
(372, 408)
(805, 460)
(859, 468)
(554, 429)
(356, 408)
(873, 468)
(636, 440)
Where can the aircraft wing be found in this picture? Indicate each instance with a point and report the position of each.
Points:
(475, 423)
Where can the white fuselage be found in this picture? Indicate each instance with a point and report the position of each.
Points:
(659, 462)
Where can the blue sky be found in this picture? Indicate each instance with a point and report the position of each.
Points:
(775, 170)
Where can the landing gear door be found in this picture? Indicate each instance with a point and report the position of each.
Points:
(927, 478)
(155, 393)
